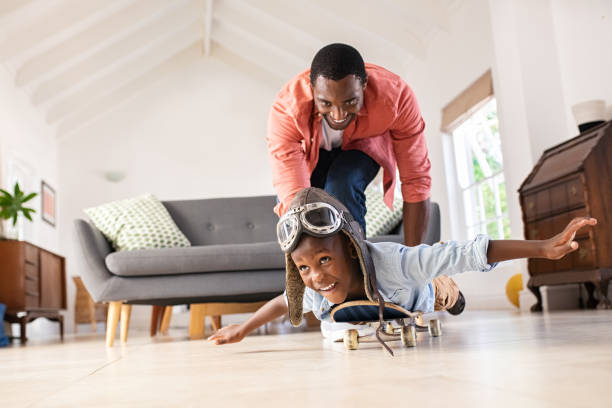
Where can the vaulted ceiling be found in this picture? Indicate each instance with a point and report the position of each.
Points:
(77, 59)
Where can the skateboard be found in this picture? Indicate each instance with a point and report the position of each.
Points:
(366, 311)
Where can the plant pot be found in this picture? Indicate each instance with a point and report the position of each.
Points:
(8, 231)
(589, 114)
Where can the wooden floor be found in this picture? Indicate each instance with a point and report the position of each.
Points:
(491, 359)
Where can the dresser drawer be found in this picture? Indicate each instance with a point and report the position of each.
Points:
(584, 257)
(31, 287)
(559, 197)
(31, 271)
(32, 301)
(575, 192)
(31, 254)
(536, 204)
(551, 226)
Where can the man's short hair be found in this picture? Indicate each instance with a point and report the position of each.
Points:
(335, 61)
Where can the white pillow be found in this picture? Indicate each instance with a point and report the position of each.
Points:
(137, 223)
(379, 219)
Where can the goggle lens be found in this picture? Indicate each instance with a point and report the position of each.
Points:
(321, 217)
(287, 229)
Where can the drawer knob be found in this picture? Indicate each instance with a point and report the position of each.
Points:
(573, 190)
(531, 204)
(534, 233)
(582, 253)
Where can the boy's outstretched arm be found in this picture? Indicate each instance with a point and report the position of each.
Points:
(236, 332)
(553, 248)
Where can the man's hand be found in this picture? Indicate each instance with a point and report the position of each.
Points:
(228, 334)
(563, 243)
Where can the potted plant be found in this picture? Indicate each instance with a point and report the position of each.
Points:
(11, 206)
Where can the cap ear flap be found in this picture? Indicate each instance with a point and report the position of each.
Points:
(295, 291)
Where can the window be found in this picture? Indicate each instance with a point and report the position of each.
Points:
(474, 164)
(479, 171)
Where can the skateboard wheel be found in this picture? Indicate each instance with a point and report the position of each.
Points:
(351, 339)
(435, 328)
(408, 336)
(389, 328)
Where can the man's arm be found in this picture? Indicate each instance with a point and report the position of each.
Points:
(236, 332)
(554, 248)
(287, 157)
(410, 147)
(416, 219)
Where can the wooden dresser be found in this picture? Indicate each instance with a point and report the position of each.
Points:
(32, 284)
(572, 179)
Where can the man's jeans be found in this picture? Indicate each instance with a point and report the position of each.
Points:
(345, 174)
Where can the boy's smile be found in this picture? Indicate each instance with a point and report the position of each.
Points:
(327, 267)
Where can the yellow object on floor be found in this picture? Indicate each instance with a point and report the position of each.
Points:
(513, 287)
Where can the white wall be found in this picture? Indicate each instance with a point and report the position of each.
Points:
(583, 33)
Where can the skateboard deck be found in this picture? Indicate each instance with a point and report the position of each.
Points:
(366, 311)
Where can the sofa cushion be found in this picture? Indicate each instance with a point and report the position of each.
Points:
(137, 223)
(209, 258)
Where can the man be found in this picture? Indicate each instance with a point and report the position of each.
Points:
(335, 125)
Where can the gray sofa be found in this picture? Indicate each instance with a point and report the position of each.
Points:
(234, 256)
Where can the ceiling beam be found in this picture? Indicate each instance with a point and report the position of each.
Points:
(311, 18)
(121, 48)
(124, 71)
(8, 6)
(47, 25)
(376, 20)
(423, 14)
(186, 54)
(207, 22)
(252, 48)
(88, 40)
(269, 27)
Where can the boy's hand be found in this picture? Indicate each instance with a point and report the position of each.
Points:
(228, 334)
(562, 244)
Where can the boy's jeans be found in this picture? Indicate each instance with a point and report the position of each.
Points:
(345, 174)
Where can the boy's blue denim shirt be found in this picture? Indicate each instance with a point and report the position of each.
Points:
(404, 274)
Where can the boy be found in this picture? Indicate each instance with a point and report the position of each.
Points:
(325, 267)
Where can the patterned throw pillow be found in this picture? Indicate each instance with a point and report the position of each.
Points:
(380, 220)
(137, 223)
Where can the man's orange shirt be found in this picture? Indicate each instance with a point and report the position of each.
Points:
(388, 128)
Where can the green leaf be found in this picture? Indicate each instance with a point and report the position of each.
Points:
(27, 215)
(15, 219)
(29, 197)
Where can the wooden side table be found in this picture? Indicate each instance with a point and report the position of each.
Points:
(85, 309)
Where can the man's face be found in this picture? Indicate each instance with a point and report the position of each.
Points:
(326, 266)
(338, 101)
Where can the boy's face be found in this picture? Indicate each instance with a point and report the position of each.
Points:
(326, 266)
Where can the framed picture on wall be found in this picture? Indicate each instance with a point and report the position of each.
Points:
(48, 203)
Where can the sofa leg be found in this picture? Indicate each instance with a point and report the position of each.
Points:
(126, 311)
(112, 319)
(165, 323)
(215, 322)
(155, 319)
(196, 321)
